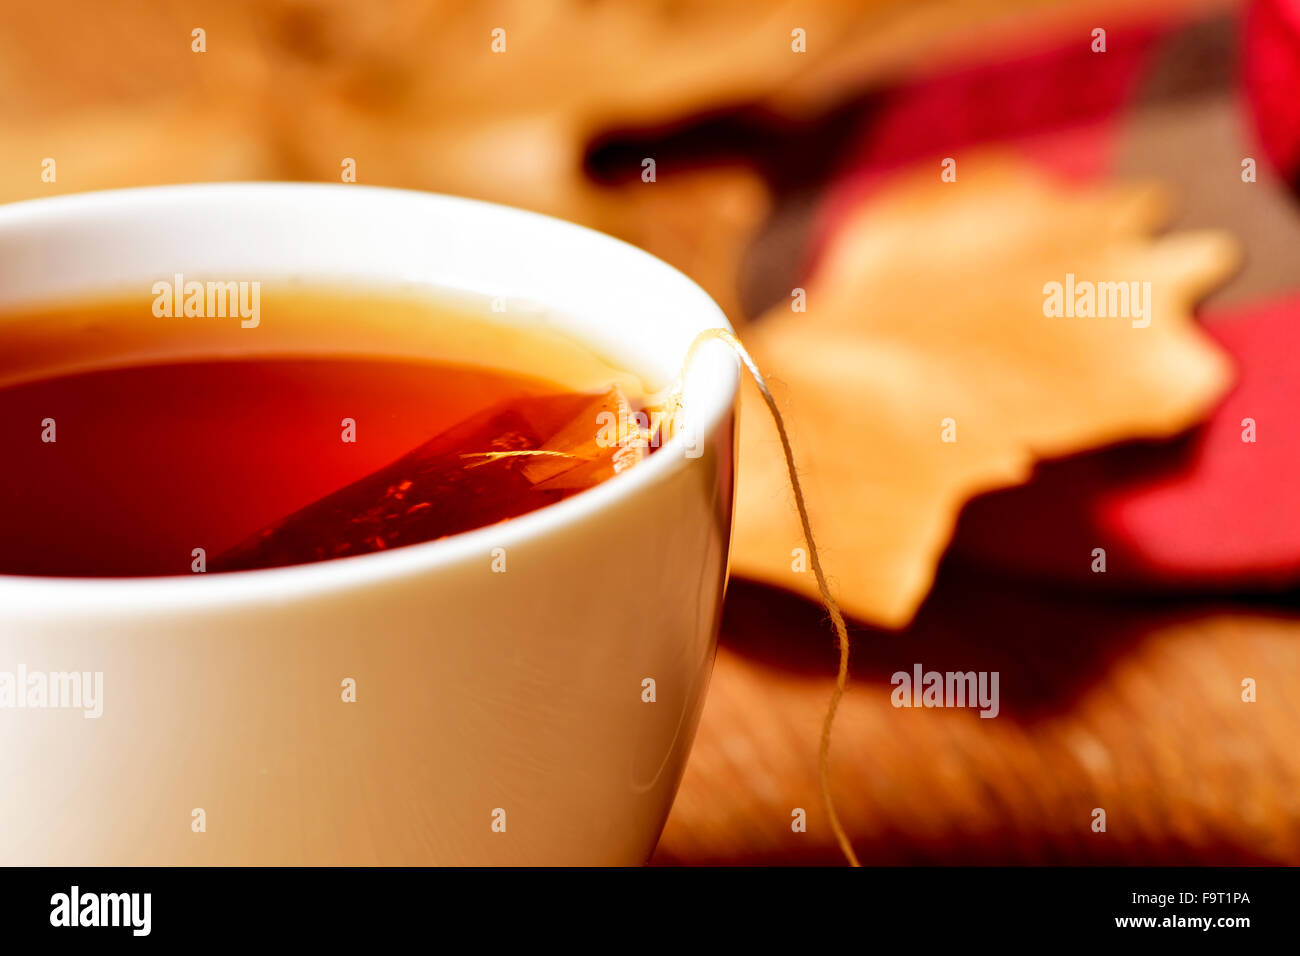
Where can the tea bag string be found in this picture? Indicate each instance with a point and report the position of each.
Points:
(832, 606)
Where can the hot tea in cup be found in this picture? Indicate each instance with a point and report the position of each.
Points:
(144, 444)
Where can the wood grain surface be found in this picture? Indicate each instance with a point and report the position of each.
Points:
(1133, 708)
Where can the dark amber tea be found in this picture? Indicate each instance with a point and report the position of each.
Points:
(344, 423)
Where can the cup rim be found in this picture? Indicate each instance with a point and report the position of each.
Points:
(715, 367)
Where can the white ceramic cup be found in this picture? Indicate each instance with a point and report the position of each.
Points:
(499, 717)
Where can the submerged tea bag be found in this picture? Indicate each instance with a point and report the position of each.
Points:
(505, 461)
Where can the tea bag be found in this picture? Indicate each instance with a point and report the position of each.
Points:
(503, 462)
(607, 437)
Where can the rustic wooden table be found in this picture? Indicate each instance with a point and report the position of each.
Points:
(1133, 708)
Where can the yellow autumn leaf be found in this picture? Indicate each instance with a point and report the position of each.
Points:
(925, 370)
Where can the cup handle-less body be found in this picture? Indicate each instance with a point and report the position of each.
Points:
(502, 713)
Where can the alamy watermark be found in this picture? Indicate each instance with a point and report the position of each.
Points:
(1085, 299)
(639, 429)
(194, 299)
(53, 690)
(946, 689)
(133, 911)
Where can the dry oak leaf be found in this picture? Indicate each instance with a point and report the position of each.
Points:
(496, 100)
(625, 62)
(926, 320)
(176, 141)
